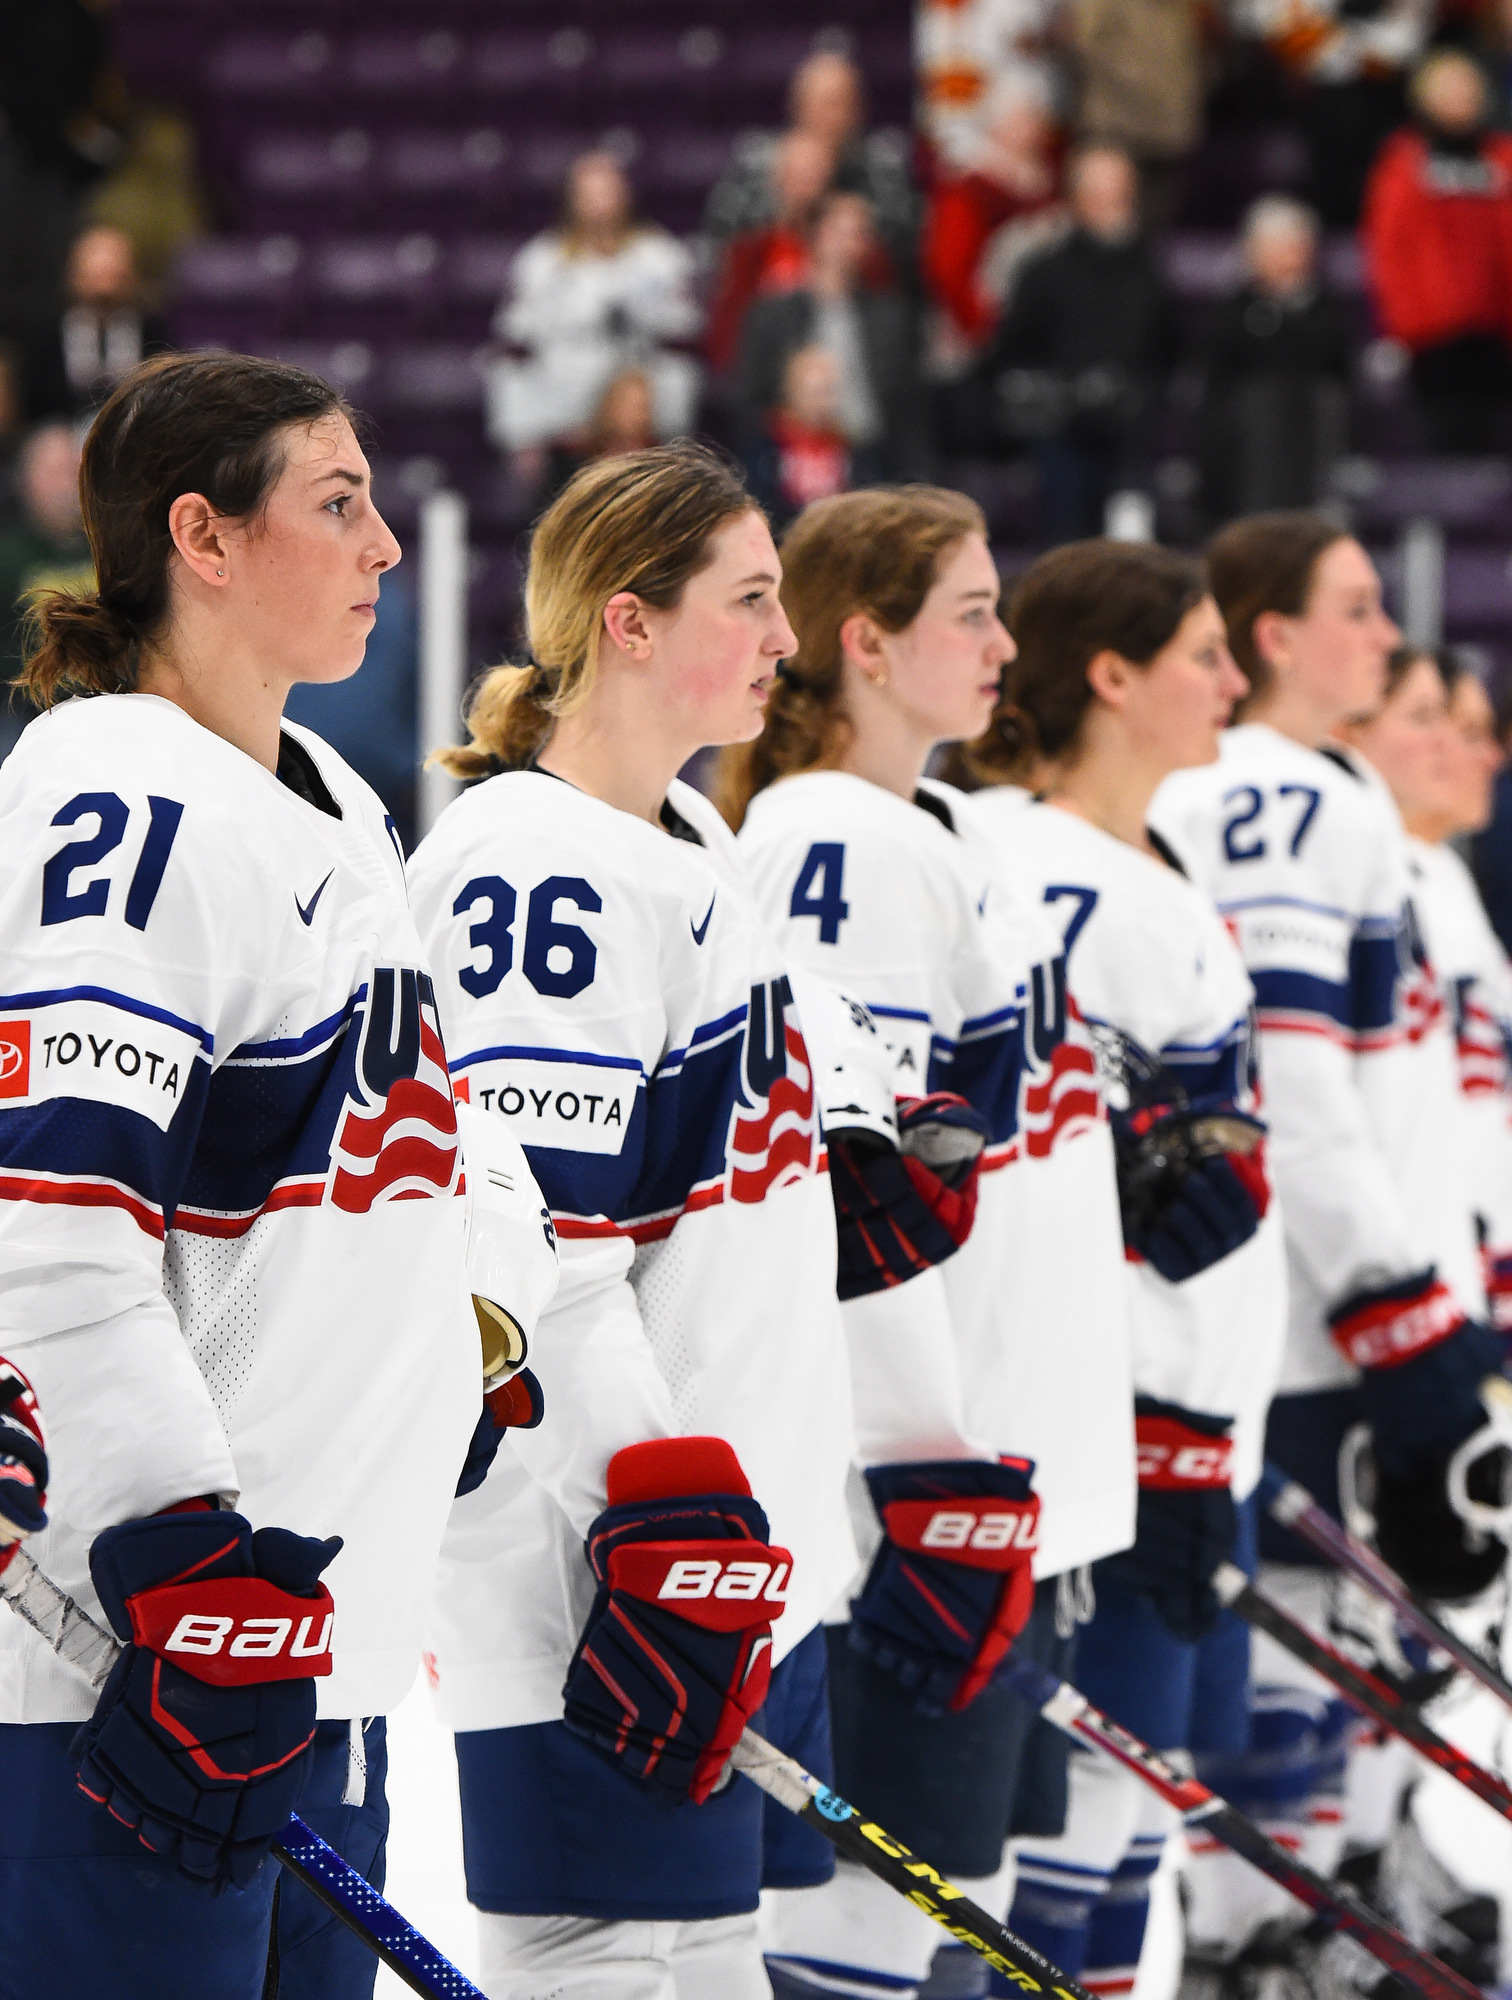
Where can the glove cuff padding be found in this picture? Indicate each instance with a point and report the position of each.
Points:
(1180, 1450)
(667, 1468)
(1387, 1326)
(900, 1212)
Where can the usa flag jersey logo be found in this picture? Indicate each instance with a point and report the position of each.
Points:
(773, 1133)
(400, 1139)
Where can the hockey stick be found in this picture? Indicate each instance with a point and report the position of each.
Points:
(1058, 1702)
(1373, 1697)
(75, 1637)
(1291, 1506)
(860, 1839)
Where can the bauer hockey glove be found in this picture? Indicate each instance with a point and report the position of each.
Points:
(23, 1462)
(677, 1652)
(900, 1212)
(1186, 1520)
(1191, 1183)
(1422, 1363)
(201, 1736)
(951, 1587)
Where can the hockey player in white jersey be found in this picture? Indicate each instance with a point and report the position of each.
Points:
(232, 1217)
(1433, 740)
(1300, 844)
(1123, 675)
(612, 996)
(869, 872)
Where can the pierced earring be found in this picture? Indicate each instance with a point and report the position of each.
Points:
(878, 680)
(220, 572)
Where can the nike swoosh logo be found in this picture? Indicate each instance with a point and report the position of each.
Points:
(701, 931)
(307, 911)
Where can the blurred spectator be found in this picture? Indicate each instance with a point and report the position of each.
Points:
(802, 452)
(773, 256)
(1347, 60)
(1275, 370)
(1141, 89)
(102, 332)
(153, 194)
(371, 719)
(972, 56)
(975, 232)
(625, 420)
(1083, 353)
(42, 545)
(1438, 242)
(12, 423)
(827, 102)
(868, 333)
(598, 294)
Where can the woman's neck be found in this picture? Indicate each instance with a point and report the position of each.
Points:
(1434, 828)
(613, 751)
(886, 752)
(1111, 790)
(234, 699)
(1288, 711)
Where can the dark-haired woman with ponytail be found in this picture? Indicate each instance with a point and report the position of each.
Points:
(1123, 675)
(875, 879)
(232, 1218)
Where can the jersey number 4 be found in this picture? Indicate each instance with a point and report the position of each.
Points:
(62, 902)
(816, 893)
(1243, 840)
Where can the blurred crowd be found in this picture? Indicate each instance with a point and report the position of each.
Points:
(865, 305)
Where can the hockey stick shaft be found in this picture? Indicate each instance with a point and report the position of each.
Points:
(75, 1637)
(1292, 1507)
(1373, 1697)
(861, 1839)
(1060, 1703)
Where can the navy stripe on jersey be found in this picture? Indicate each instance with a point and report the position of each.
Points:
(77, 1153)
(19, 1002)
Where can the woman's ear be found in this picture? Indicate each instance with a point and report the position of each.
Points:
(861, 644)
(1108, 676)
(198, 538)
(625, 622)
(1272, 639)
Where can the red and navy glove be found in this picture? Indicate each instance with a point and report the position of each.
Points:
(201, 1736)
(1422, 1364)
(517, 1404)
(677, 1652)
(1186, 1521)
(900, 1212)
(951, 1587)
(23, 1462)
(1191, 1183)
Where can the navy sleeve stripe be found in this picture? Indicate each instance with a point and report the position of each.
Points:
(290, 1048)
(521, 1053)
(14, 1002)
(1285, 903)
(1287, 992)
(896, 1013)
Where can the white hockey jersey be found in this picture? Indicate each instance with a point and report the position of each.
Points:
(1305, 855)
(896, 902)
(231, 1213)
(612, 994)
(1149, 961)
(1475, 980)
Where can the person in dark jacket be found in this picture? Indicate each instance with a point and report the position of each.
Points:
(1082, 355)
(101, 334)
(869, 333)
(1275, 370)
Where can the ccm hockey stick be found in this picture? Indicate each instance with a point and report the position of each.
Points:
(1373, 1697)
(75, 1637)
(1059, 1702)
(1292, 1507)
(860, 1839)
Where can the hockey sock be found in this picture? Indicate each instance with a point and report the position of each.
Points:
(1117, 1932)
(1062, 1881)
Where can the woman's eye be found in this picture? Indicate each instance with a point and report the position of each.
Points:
(339, 505)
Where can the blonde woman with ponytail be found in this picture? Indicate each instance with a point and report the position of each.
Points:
(871, 875)
(613, 996)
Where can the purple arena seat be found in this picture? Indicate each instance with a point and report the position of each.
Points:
(412, 64)
(1465, 496)
(1478, 591)
(290, 64)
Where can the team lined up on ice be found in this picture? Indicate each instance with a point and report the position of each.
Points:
(897, 1229)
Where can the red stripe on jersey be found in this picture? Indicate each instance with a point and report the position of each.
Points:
(83, 1194)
